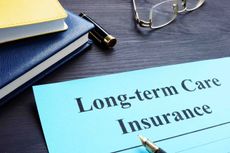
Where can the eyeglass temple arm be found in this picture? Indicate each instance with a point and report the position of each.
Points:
(142, 23)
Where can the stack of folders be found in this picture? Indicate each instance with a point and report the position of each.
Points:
(24, 59)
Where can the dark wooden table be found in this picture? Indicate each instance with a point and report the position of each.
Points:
(202, 34)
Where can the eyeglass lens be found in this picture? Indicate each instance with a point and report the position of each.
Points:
(163, 13)
(193, 4)
(189, 5)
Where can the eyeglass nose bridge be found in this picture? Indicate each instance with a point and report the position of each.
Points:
(184, 6)
(175, 8)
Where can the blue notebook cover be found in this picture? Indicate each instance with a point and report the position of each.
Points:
(19, 57)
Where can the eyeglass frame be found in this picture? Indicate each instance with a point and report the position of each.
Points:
(149, 24)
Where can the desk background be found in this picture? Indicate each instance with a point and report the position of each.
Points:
(202, 34)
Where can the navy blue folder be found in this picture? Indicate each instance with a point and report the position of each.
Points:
(20, 57)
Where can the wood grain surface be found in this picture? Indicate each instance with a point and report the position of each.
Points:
(199, 35)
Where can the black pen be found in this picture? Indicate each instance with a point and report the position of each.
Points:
(99, 34)
(150, 146)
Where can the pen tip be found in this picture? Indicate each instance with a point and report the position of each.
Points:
(142, 138)
(148, 144)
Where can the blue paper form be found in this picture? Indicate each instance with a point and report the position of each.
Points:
(183, 108)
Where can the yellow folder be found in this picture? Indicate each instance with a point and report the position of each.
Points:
(37, 14)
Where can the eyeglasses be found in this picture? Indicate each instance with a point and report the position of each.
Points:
(165, 12)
